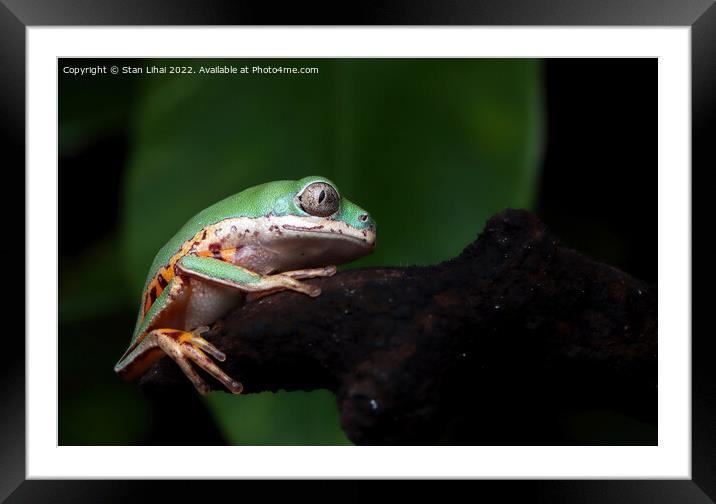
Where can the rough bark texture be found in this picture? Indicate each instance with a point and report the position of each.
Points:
(496, 346)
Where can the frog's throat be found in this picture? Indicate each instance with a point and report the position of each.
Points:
(304, 242)
(317, 226)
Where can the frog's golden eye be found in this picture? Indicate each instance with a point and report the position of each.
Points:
(319, 199)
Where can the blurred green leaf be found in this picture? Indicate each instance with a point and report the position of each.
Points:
(93, 286)
(296, 418)
(431, 147)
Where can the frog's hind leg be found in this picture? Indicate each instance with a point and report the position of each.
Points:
(185, 348)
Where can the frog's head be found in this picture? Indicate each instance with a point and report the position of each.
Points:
(318, 197)
(315, 225)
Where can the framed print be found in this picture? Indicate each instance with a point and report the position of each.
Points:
(421, 243)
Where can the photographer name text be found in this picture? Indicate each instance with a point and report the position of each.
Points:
(92, 71)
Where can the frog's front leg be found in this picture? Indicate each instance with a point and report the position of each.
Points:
(295, 274)
(216, 271)
(326, 271)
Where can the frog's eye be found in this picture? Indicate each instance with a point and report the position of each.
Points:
(319, 199)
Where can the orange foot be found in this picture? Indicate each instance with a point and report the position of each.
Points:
(187, 347)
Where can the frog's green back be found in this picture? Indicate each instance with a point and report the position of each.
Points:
(252, 202)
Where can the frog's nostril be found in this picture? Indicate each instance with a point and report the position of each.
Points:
(363, 217)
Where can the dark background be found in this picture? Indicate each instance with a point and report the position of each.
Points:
(597, 190)
(599, 180)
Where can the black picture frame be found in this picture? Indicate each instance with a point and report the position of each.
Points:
(700, 15)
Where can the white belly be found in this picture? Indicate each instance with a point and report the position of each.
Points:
(208, 303)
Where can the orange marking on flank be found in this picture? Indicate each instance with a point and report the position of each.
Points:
(226, 255)
(198, 241)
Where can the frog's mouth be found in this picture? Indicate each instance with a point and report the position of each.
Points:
(317, 241)
(337, 229)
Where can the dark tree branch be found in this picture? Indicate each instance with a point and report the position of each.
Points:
(495, 346)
